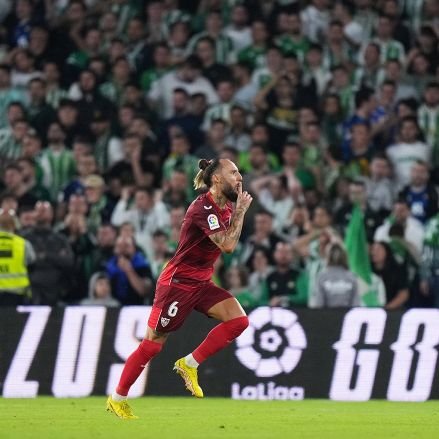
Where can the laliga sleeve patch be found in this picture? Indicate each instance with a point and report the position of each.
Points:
(213, 222)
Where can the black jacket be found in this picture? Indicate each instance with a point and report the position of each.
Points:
(54, 259)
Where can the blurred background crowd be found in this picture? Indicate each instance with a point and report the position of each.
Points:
(329, 108)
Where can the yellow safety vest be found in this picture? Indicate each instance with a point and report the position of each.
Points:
(13, 271)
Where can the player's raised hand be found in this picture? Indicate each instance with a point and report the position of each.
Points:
(239, 188)
(244, 199)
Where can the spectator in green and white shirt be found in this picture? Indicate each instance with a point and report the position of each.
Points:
(365, 16)
(212, 70)
(120, 76)
(430, 261)
(89, 46)
(274, 64)
(54, 92)
(336, 50)
(315, 19)
(40, 113)
(172, 16)
(154, 11)
(254, 54)
(214, 30)
(315, 70)
(107, 148)
(108, 28)
(124, 10)
(238, 29)
(179, 158)
(57, 162)
(31, 146)
(31, 174)
(67, 115)
(11, 141)
(221, 110)
(352, 31)
(136, 50)
(390, 48)
(8, 93)
(292, 41)
(414, 11)
(23, 69)
(161, 57)
(178, 41)
(311, 247)
(369, 74)
(428, 118)
(340, 85)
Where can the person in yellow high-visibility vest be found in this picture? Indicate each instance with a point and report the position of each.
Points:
(16, 254)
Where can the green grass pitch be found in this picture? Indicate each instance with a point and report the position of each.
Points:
(211, 418)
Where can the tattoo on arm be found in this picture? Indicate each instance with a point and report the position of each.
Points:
(229, 238)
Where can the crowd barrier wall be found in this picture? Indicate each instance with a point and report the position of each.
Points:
(349, 355)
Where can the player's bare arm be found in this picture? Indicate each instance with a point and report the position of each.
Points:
(228, 239)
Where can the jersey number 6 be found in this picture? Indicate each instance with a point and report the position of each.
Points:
(173, 309)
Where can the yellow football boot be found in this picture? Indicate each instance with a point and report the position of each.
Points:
(120, 408)
(190, 376)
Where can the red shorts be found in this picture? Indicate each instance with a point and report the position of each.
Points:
(174, 302)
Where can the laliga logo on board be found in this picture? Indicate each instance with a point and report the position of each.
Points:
(273, 342)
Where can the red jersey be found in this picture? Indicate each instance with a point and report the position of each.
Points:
(196, 253)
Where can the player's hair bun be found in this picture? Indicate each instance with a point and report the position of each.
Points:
(204, 176)
(203, 164)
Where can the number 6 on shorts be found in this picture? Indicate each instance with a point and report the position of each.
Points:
(173, 309)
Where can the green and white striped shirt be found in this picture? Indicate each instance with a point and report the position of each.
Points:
(315, 263)
(430, 252)
(112, 91)
(288, 46)
(217, 111)
(347, 99)
(366, 19)
(254, 56)
(261, 77)
(174, 16)
(150, 76)
(58, 169)
(428, 119)
(414, 11)
(124, 13)
(391, 49)
(6, 97)
(361, 76)
(9, 147)
(224, 47)
(54, 96)
(331, 60)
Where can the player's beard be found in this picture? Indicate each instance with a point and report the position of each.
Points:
(230, 193)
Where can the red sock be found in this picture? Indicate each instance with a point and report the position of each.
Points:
(219, 337)
(136, 363)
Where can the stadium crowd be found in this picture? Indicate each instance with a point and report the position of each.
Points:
(329, 108)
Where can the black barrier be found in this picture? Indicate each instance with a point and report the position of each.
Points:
(355, 354)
